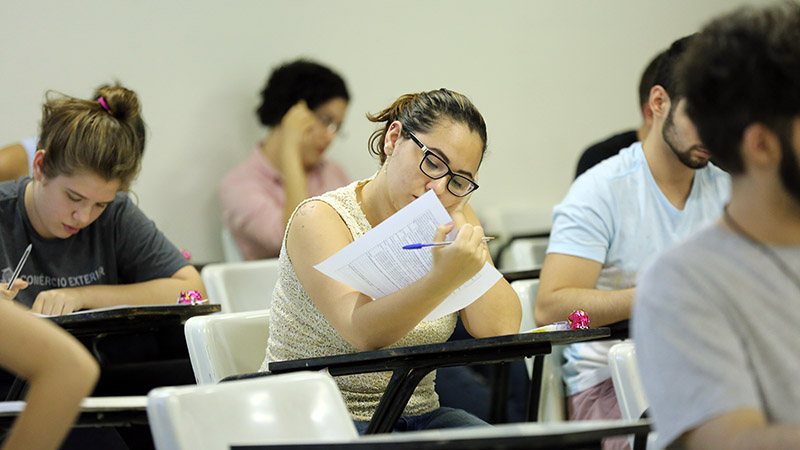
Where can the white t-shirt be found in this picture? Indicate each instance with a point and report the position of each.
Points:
(616, 214)
(716, 328)
(30, 149)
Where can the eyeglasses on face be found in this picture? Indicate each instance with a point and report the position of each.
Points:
(328, 123)
(434, 167)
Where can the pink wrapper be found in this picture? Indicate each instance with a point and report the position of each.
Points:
(190, 298)
(578, 320)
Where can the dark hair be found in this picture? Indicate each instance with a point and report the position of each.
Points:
(295, 81)
(667, 74)
(82, 136)
(649, 78)
(420, 112)
(744, 68)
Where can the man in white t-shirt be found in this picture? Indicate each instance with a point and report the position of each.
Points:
(716, 318)
(615, 218)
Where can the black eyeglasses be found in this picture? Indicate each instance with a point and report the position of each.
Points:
(434, 167)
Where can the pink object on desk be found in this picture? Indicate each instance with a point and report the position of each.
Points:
(190, 298)
(578, 319)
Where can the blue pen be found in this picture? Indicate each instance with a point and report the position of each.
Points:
(437, 244)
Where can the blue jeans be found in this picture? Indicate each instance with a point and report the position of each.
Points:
(442, 417)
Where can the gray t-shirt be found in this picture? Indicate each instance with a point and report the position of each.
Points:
(716, 328)
(122, 246)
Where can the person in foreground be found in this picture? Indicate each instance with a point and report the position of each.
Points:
(92, 247)
(58, 369)
(427, 141)
(304, 104)
(614, 219)
(715, 319)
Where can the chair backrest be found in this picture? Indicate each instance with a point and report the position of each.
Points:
(523, 254)
(552, 399)
(627, 383)
(226, 344)
(526, 291)
(300, 406)
(230, 249)
(242, 286)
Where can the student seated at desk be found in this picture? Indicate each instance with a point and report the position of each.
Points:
(92, 247)
(59, 370)
(428, 141)
(304, 105)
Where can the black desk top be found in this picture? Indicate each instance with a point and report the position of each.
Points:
(521, 274)
(510, 347)
(127, 317)
(138, 347)
(508, 436)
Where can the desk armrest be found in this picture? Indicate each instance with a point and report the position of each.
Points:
(409, 364)
(445, 354)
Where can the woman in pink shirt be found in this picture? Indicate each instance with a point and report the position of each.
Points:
(303, 104)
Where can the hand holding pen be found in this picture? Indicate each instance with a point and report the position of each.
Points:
(458, 261)
(438, 244)
(14, 285)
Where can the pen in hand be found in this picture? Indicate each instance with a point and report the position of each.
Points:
(437, 244)
(19, 266)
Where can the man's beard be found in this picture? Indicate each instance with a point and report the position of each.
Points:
(684, 156)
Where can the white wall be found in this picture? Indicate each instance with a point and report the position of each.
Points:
(550, 77)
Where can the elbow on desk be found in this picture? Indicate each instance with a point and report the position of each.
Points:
(542, 315)
(369, 343)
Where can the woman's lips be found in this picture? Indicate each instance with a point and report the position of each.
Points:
(70, 229)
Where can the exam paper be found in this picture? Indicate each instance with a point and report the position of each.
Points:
(377, 265)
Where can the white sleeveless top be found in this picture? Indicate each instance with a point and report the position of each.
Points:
(298, 329)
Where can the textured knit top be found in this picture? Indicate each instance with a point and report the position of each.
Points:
(298, 329)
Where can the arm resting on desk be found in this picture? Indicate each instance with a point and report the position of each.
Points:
(159, 291)
(568, 283)
(59, 370)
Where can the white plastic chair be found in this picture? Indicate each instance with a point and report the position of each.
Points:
(242, 286)
(552, 398)
(524, 254)
(226, 344)
(301, 406)
(230, 249)
(628, 384)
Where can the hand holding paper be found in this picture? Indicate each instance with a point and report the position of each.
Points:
(376, 264)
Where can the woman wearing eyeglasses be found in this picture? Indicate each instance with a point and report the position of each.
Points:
(303, 104)
(428, 141)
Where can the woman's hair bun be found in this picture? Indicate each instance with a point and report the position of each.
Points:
(122, 103)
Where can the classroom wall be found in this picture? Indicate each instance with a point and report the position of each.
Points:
(550, 78)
